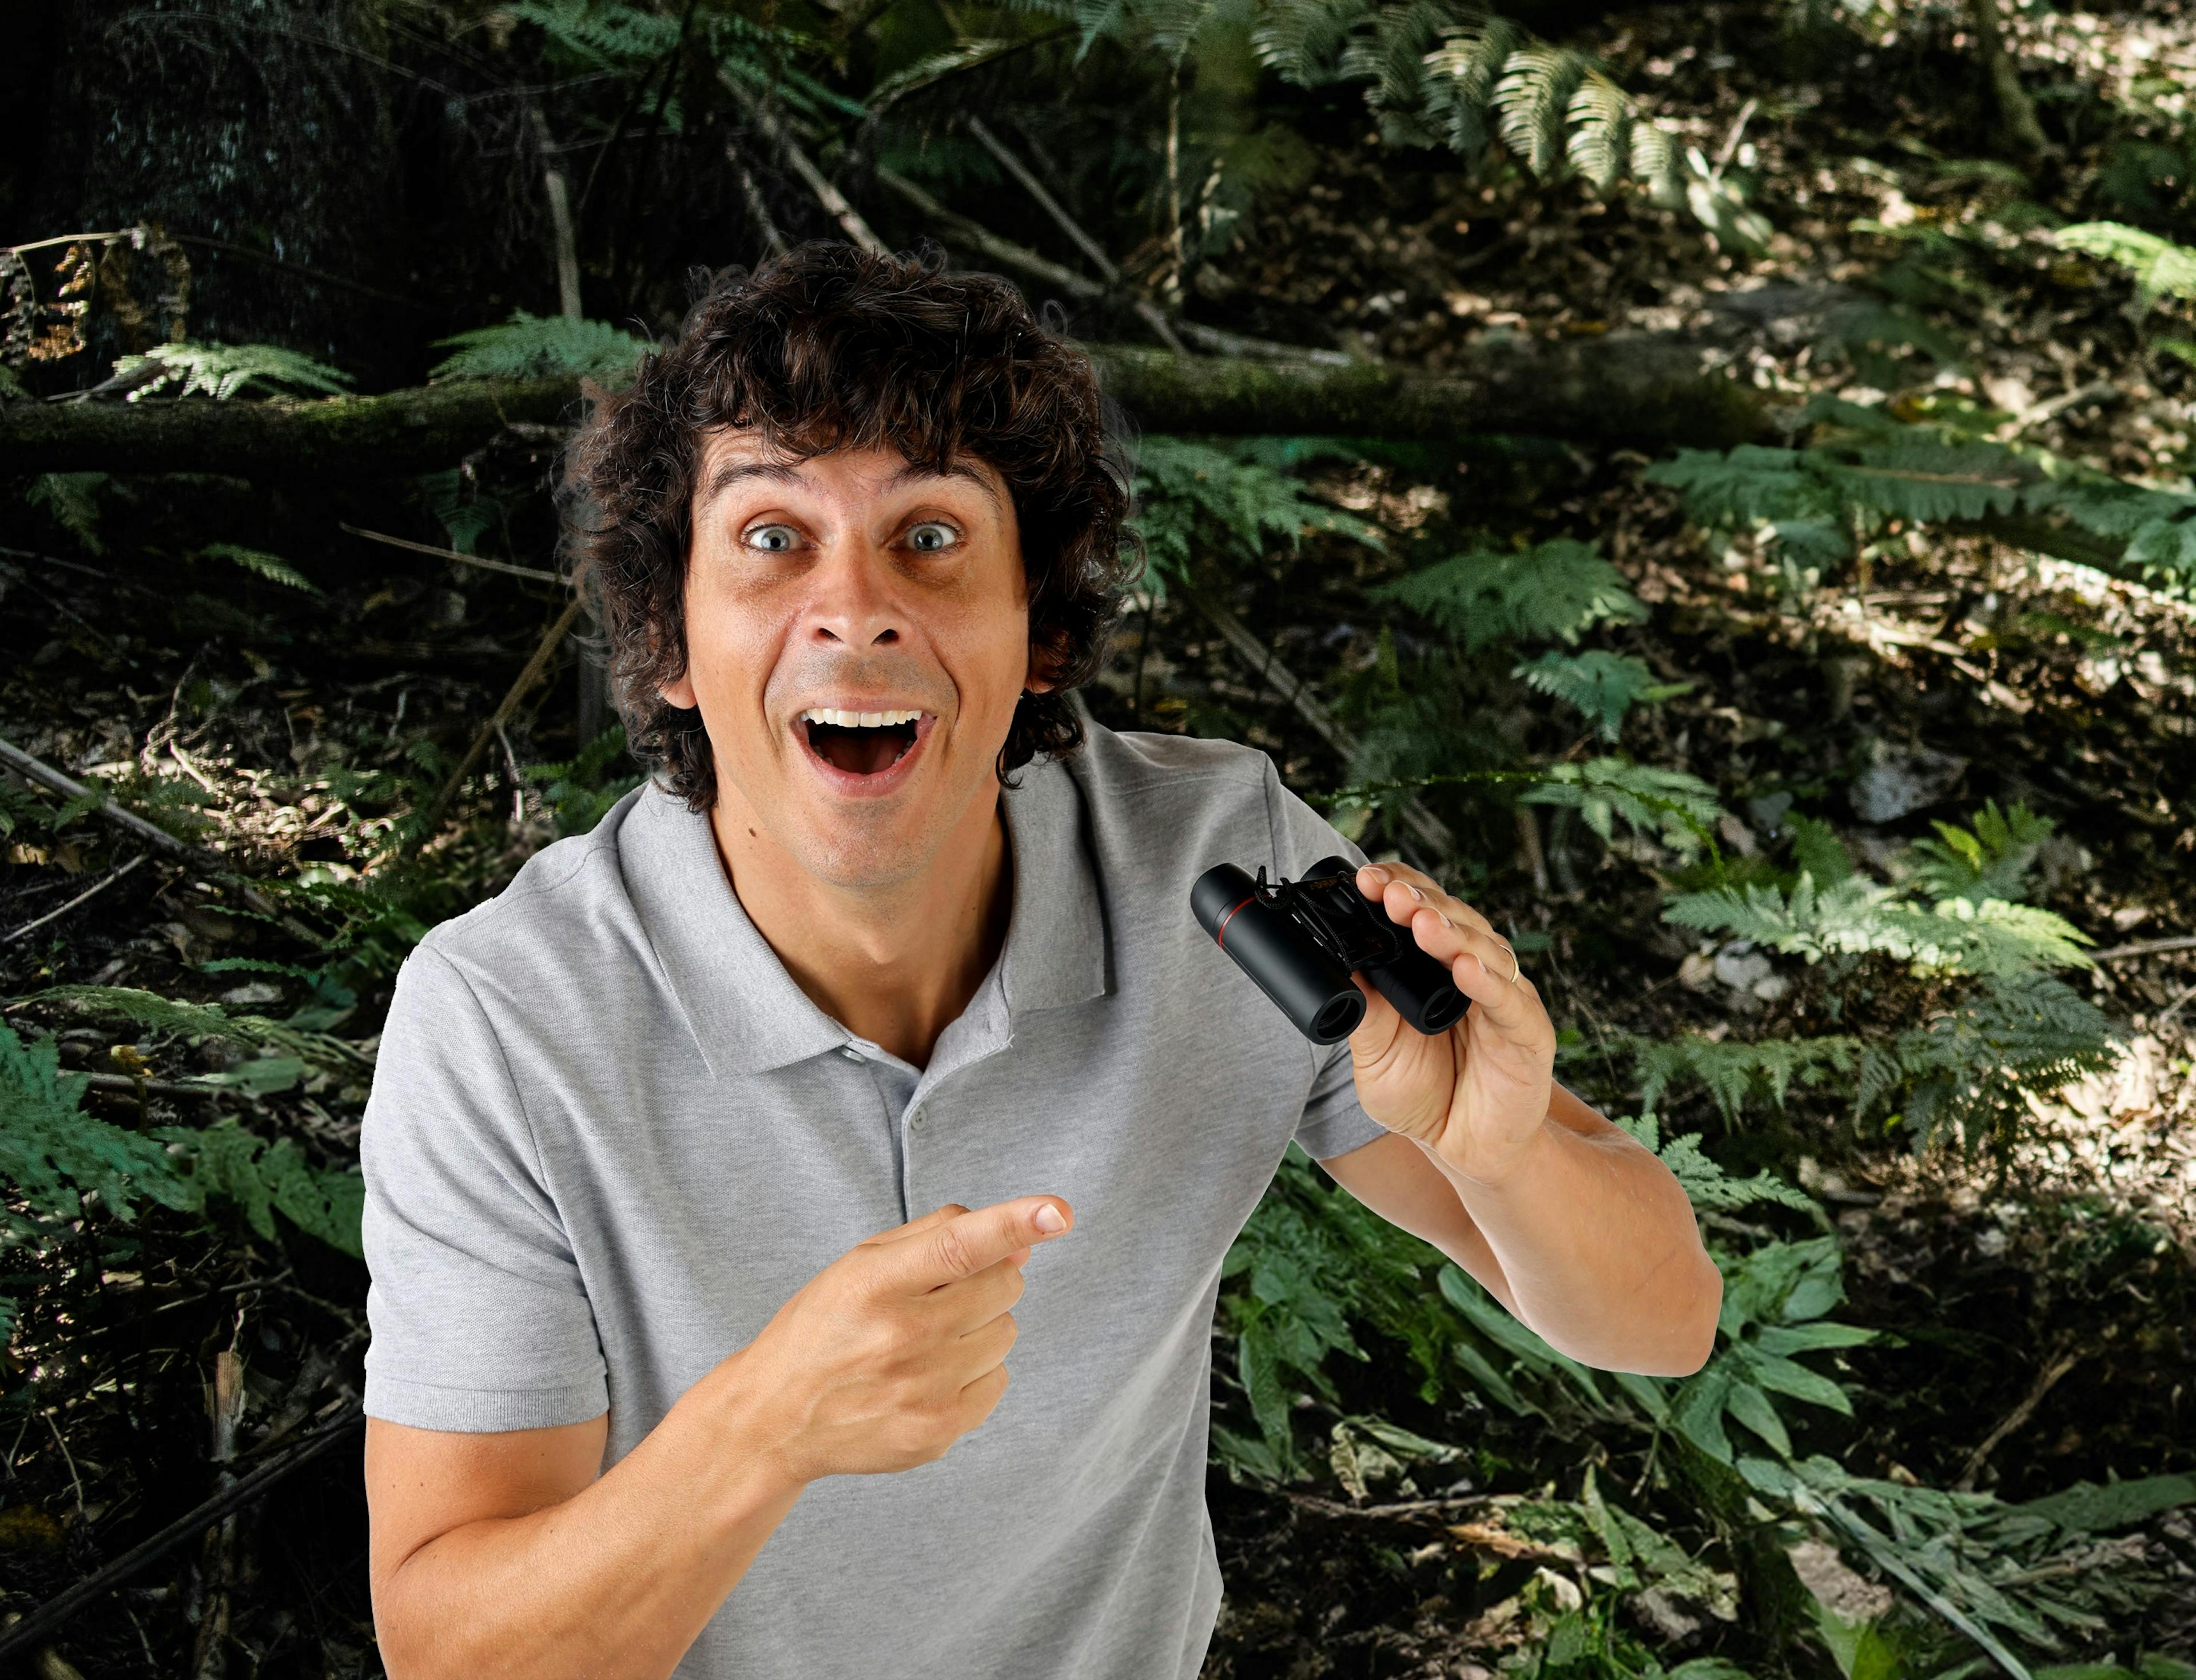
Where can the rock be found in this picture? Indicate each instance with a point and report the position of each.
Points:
(1825, 1574)
(1742, 966)
(1697, 972)
(1902, 779)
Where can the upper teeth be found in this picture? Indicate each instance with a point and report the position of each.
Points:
(839, 719)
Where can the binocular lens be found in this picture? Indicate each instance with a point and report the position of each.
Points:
(1311, 990)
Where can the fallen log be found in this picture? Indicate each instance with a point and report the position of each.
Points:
(1644, 391)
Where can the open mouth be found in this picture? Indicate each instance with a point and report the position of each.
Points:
(860, 743)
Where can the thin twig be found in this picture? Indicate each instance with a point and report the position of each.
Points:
(1402, 1510)
(551, 639)
(91, 892)
(2045, 1381)
(803, 165)
(773, 242)
(1150, 312)
(1051, 207)
(2181, 942)
(69, 788)
(482, 561)
(1431, 830)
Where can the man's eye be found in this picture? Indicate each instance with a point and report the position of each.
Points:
(773, 539)
(931, 536)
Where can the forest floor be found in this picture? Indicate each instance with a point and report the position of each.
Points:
(2037, 1302)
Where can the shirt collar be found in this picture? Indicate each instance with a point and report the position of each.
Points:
(748, 1015)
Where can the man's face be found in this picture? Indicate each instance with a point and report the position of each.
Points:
(857, 639)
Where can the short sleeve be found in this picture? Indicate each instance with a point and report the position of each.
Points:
(480, 1321)
(1333, 1122)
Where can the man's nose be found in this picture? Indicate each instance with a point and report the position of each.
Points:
(851, 601)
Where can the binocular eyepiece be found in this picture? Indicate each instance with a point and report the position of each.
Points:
(1301, 940)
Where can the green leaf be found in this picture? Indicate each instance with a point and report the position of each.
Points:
(1603, 686)
(1752, 1408)
(226, 371)
(1555, 592)
(532, 347)
(2089, 1509)
(271, 567)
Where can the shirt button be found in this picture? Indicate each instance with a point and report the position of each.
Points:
(914, 1120)
(850, 1054)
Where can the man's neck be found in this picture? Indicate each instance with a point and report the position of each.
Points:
(893, 965)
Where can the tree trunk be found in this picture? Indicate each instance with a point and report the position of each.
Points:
(1647, 391)
(2016, 114)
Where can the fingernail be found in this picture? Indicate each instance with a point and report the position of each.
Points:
(1414, 893)
(1378, 873)
(1048, 1220)
(1443, 915)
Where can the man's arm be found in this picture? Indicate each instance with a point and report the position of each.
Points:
(1590, 1241)
(507, 1554)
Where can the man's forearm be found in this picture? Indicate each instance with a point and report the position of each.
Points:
(1599, 1250)
(615, 1581)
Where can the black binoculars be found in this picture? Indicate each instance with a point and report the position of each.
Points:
(1300, 940)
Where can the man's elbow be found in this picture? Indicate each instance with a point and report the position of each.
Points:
(1694, 1322)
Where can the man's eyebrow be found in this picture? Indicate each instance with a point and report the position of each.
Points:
(967, 469)
(728, 473)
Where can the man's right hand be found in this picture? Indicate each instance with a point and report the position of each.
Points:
(895, 1350)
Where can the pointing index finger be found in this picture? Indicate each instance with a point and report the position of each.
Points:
(965, 1244)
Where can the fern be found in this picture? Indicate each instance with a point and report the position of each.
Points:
(1193, 497)
(1603, 686)
(1679, 808)
(1989, 861)
(1862, 470)
(1706, 1183)
(198, 1021)
(53, 1157)
(260, 563)
(1774, 1302)
(262, 1179)
(72, 499)
(1554, 592)
(2161, 268)
(534, 347)
(1735, 1072)
(1856, 917)
(52, 1154)
(582, 790)
(224, 370)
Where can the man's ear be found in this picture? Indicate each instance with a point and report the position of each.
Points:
(679, 692)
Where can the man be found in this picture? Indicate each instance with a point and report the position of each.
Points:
(664, 1375)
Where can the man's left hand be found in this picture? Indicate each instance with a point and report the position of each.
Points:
(1476, 1096)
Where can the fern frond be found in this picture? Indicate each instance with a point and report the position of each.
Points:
(1678, 808)
(273, 567)
(1603, 686)
(51, 1152)
(221, 371)
(533, 347)
(196, 1021)
(1193, 496)
(1989, 861)
(2161, 268)
(1302, 40)
(1460, 79)
(1534, 100)
(1556, 591)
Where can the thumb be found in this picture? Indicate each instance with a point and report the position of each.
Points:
(965, 1244)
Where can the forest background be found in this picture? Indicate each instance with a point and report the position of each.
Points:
(1711, 482)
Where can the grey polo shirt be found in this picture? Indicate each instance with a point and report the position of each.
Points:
(610, 1136)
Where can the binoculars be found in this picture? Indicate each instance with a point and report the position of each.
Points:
(1300, 940)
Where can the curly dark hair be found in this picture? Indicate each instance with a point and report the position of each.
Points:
(829, 346)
